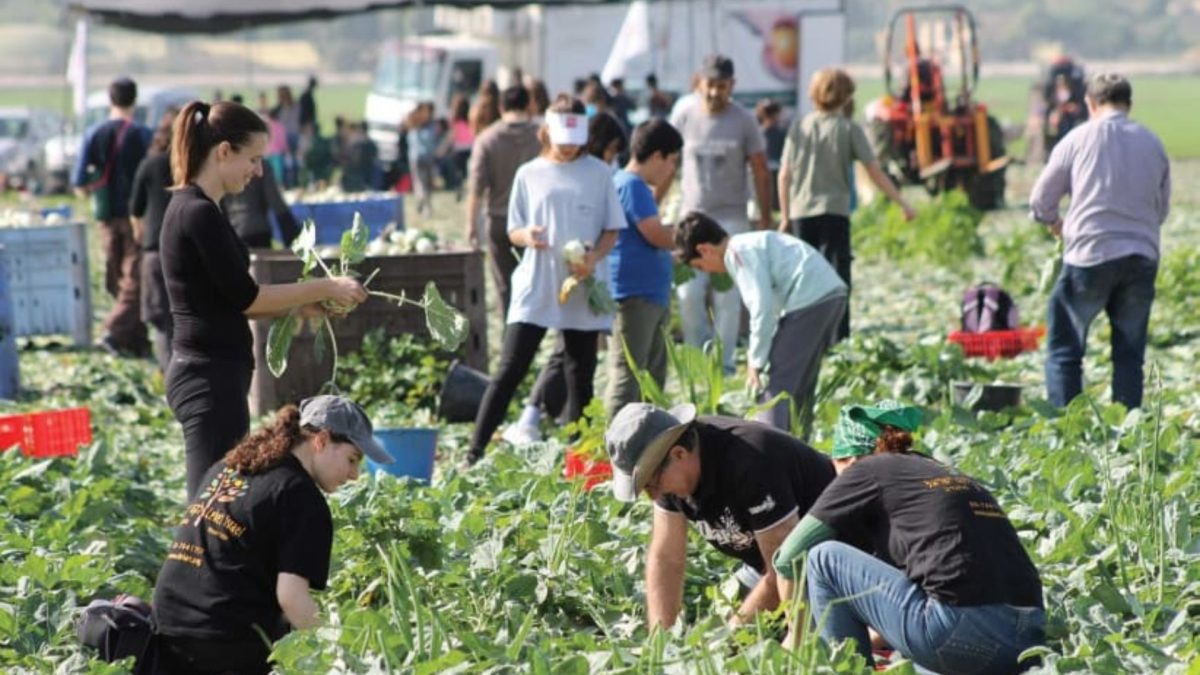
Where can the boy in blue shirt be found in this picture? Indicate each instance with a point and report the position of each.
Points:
(641, 263)
(795, 298)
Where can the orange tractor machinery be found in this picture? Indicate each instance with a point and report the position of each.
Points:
(920, 135)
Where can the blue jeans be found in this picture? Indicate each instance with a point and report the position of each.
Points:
(1124, 289)
(850, 590)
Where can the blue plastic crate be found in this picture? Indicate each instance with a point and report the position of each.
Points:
(47, 275)
(412, 450)
(334, 218)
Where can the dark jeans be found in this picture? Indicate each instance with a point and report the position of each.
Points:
(123, 281)
(503, 258)
(830, 235)
(190, 656)
(1124, 290)
(850, 590)
(208, 398)
(521, 342)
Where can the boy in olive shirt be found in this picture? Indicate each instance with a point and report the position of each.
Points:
(814, 174)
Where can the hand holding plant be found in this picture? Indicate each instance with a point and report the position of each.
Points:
(581, 264)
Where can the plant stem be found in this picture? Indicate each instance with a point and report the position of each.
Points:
(398, 299)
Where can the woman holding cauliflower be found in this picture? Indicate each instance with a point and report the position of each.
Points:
(564, 211)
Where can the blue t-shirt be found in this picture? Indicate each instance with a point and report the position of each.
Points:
(639, 269)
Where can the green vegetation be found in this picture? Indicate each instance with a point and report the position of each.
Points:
(511, 568)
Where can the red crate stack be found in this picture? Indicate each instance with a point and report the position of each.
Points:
(52, 433)
(995, 344)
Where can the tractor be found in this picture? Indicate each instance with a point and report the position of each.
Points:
(920, 135)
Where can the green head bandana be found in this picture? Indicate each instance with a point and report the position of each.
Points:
(858, 426)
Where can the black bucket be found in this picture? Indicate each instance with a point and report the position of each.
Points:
(993, 397)
(462, 393)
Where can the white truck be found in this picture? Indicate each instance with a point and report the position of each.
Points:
(775, 45)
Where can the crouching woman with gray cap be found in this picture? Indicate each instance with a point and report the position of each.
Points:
(257, 538)
(915, 550)
(743, 484)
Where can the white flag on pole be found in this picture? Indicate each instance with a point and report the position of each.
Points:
(77, 73)
(631, 51)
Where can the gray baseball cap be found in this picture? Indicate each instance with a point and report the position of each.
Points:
(341, 416)
(638, 439)
(717, 67)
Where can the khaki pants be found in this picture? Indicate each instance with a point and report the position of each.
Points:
(122, 279)
(640, 324)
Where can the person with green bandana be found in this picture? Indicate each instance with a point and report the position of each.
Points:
(918, 552)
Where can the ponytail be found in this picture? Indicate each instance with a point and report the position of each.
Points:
(269, 445)
(893, 440)
(200, 127)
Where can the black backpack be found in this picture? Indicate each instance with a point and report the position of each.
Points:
(987, 307)
(118, 629)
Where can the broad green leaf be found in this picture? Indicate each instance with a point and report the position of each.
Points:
(305, 246)
(446, 324)
(279, 342)
(354, 244)
(721, 282)
(600, 300)
(682, 274)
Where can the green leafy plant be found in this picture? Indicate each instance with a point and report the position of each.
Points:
(944, 233)
(446, 324)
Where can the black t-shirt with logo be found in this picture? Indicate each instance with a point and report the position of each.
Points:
(943, 529)
(219, 579)
(752, 477)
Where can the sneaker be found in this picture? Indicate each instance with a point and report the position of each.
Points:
(521, 434)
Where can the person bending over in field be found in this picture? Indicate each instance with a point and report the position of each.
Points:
(795, 299)
(256, 538)
(743, 484)
(915, 550)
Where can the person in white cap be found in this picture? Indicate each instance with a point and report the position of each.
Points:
(256, 538)
(566, 196)
(743, 484)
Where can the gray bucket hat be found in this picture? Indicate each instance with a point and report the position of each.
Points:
(341, 416)
(638, 439)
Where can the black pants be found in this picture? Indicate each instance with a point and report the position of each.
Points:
(830, 235)
(156, 309)
(550, 390)
(503, 258)
(190, 656)
(208, 398)
(521, 342)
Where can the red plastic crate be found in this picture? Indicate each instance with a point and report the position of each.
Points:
(995, 344)
(53, 433)
(592, 471)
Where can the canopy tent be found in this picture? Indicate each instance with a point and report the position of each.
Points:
(220, 16)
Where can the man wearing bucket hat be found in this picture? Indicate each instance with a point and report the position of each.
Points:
(257, 538)
(915, 550)
(743, 484)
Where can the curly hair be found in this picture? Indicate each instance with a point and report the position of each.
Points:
(893, 440)
(269, 445)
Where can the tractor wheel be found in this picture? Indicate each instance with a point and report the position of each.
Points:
(986, 191)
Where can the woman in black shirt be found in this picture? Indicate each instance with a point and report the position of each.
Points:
(915, 550)
(217, 150)
(257, 538)
(147, 203)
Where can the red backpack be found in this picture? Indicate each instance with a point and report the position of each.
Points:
(987, 307)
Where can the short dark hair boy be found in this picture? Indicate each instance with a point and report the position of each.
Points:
(654, 136)
(122, 92)
(514, 99)
(694, 229)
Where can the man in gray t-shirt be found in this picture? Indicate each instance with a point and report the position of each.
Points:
(720, 138)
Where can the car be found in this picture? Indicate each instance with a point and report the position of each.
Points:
(60, 151)
(23, 131)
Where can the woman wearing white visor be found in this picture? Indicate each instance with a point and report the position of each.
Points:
(563, 196)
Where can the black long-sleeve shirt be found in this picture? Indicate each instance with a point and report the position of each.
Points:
(150, 196)
(208, 279)
(247, 211)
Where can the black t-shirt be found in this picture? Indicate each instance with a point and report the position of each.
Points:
(150, 196)
(752, 477)
(208, 279)
(219, 579)
(941, 527)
